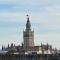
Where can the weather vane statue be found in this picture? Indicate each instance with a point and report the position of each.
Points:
(27, 14)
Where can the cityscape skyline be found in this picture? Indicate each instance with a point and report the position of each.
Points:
(44, 17)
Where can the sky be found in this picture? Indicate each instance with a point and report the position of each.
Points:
(44, 17)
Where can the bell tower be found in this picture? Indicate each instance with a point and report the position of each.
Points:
(28, 35)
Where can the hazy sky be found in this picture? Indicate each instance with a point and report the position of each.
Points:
(44, 17)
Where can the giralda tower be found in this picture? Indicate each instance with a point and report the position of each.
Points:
(28, 35)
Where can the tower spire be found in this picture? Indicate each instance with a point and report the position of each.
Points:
(27, 16)
(28, 25)
(28, 35)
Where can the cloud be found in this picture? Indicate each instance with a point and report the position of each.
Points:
(45, 14)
